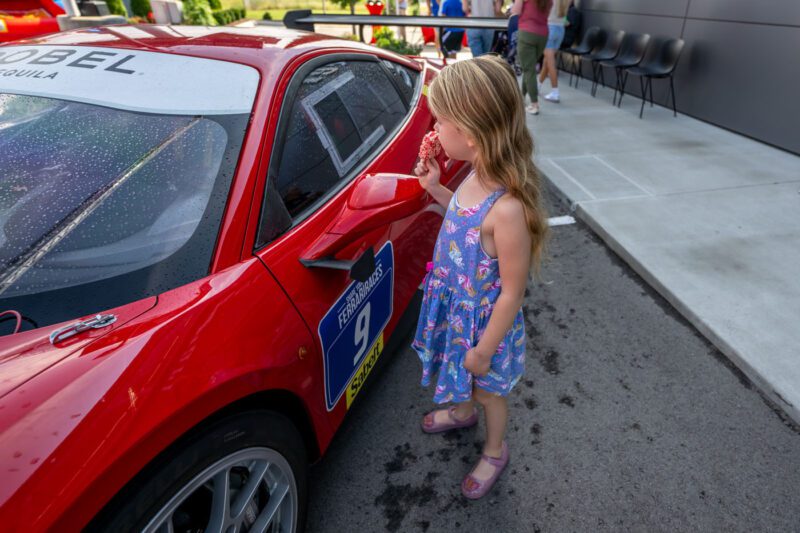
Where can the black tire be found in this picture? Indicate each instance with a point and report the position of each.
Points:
(179, 466)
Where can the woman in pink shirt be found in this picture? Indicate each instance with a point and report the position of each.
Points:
(531, 40)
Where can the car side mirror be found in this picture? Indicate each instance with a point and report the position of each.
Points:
(376, 200)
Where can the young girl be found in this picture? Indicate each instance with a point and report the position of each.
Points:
(471, 335)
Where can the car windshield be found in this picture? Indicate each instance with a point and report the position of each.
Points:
(101, 206)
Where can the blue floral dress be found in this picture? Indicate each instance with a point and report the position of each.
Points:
(460, 291)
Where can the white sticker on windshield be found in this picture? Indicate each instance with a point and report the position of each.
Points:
(133, 80)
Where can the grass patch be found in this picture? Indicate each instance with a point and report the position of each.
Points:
(278, 8)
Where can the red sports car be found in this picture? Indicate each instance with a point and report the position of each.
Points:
(208, 237)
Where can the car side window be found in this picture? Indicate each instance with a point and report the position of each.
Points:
(405, 78)
(339, 114)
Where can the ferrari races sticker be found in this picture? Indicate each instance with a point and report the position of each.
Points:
(132, 80)
(351, 332)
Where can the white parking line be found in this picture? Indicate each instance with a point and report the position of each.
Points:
(560, 221)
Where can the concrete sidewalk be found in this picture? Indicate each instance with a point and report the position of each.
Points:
(709, 218)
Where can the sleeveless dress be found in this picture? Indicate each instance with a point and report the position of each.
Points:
(460, 291)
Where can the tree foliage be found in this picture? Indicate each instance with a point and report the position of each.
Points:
(141, 8)
(198, 13)
(116, 7)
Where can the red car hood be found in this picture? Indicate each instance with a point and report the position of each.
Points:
(25, 355)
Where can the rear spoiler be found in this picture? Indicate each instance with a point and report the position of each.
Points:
(304, 19)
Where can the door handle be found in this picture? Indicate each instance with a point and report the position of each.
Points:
(360, 269)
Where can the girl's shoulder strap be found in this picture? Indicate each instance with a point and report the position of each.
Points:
(490, 201)
(495, 196)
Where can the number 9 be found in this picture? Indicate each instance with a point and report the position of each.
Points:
(362, 333)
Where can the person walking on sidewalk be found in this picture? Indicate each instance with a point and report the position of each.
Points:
(480, 39)
(451, 38)
(471, 335)
(555, 34)
(531, 40)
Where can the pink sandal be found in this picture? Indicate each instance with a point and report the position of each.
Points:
(451, 423)
(473, 488)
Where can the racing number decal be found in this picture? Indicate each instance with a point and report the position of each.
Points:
(351, 332)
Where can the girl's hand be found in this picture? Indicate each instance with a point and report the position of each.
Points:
(477, 363)
(428, 172)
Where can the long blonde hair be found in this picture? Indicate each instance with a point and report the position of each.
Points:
(482, 98)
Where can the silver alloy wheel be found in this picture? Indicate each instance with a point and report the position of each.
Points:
(253, 489)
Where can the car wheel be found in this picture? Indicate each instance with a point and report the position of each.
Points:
(246, 472)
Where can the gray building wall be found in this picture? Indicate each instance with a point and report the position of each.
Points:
(740, 68)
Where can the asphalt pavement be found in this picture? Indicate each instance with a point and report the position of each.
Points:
(627, 420)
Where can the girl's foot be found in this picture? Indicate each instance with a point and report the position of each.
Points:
(533, 109)
(482, 478)
(446, 419)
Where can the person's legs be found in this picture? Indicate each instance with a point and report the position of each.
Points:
(487, 36)
(451, 43)
(401, 10)
(528, 53)
(545, 69)
(554, 38)
(475, 41)
(550, 66)
(536, 44)
(496, 410)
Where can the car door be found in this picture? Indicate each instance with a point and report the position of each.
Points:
(345, 119)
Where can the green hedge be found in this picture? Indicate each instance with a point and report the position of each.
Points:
(116, 7)
(141, 8)
(197, 13)
(384, 38)
(226, 16)
(215, 5)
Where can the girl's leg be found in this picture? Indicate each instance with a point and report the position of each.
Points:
(496, 410)
(464, 410)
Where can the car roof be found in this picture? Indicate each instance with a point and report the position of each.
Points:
(262, 47)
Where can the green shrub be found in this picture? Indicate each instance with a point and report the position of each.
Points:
(384, 38)
(116, 7)
(141, 8)
(226, 16)
(267, 16)
(215, 5)
(198, 13)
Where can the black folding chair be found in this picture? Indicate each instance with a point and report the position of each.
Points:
(609, 51)
(662, 65)
(592, 39)
(631, 52)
